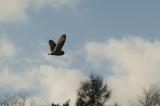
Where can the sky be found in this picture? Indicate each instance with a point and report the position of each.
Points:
(119, 40)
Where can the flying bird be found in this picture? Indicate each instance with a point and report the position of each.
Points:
(56, 49)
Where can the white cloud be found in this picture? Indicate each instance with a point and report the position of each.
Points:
(17, 82)
(59, 61)
(7, 48)
(16, 10)
(61, 84)
(12, 10)
(52, 84)
(134, 63)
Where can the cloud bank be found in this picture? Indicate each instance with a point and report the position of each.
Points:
(43, 82)
(134, 63)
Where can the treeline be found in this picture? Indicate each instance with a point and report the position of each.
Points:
(94, 92)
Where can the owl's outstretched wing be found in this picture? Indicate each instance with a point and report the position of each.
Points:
(52, 45)
(60, 43)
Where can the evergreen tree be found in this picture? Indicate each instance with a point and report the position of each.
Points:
(93, 92)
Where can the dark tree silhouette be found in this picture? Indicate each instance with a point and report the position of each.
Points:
(150, 97)
(54, 104)
(67, 103)
(64, 104)
(116, 104)
(93, 92)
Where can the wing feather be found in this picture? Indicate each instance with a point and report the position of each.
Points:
(52, 45)
(60, 43)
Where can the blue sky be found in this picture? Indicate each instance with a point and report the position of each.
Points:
(106, 35)
(90, 20)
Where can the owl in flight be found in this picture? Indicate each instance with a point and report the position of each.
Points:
(56, 49)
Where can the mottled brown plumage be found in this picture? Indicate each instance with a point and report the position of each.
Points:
(56, 49)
